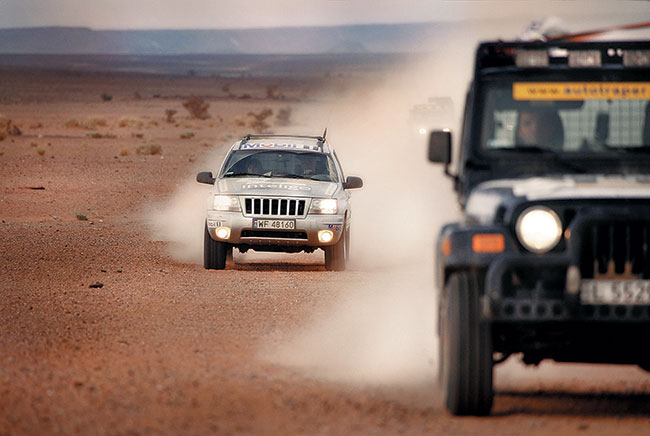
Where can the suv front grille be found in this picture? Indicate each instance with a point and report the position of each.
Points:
(274, 207)
(615, 249)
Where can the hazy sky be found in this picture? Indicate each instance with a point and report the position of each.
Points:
(156, 14)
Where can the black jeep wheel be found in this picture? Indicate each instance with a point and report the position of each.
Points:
(214, 252)
(335, 255)
(465, 367)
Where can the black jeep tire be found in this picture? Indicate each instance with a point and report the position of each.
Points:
(465, 367)
(214, 252)
(335, 255)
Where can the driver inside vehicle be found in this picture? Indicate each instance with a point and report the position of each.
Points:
(253, 166)
(541, 127)
(309, 164)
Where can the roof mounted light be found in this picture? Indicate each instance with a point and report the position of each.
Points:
(531, 58)
(585, 58)
(636, 58)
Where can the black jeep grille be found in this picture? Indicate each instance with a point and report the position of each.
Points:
(615, 249)
(276, 207)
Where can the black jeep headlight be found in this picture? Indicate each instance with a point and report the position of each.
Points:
(539, 229)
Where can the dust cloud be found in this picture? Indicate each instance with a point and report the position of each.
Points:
(381, 331)
(179, 221)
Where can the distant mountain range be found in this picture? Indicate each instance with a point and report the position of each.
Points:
(374, 38)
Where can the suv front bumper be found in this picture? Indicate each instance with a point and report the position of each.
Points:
(305, 233)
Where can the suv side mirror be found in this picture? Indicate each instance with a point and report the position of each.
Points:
(440, 146)
(353, 182)
(205, 177)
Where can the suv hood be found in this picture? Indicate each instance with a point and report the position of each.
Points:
(263, 186)
(488, 197)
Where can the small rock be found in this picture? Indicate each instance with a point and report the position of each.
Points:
(96, 285)
(82, 217)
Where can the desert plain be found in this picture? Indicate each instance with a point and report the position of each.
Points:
(109, 325)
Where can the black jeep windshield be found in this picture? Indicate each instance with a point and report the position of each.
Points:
(567, 118)
(274, 163)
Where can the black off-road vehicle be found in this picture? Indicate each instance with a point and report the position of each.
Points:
(552, 258)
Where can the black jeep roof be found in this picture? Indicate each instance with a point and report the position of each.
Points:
(613, 54)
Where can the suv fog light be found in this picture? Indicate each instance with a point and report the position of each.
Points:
(325, 235)
(223, 232)
(539, 229)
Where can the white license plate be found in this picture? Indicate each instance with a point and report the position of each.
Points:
(624, 292)
(274, 224)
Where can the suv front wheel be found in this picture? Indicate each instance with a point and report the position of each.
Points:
(335, 255)
(214, 252)
(465, 366)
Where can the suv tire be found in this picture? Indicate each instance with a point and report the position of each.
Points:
(335, 255)
(465, 367)
(214, 252)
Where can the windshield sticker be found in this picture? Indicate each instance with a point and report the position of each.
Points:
(581, 91)
(287, 186)
(259, 145)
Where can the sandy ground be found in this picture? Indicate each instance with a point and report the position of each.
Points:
(109, 325)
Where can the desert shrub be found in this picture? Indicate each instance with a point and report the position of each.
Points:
(34, 144)
(197, 107)
(7, 128)
(152, 123)
(240, 123)
(72, 123)
(98, 135)
(273, 94)
(124, 151)
(169, 115)
(149, 149)
(93, 123)
(129, 122)
(37, 125)
(283, 118)
(187, 135)
(40, 152)
(137, 135)
(137, 95)
(106, 97)
(245, 97)
(258, 120)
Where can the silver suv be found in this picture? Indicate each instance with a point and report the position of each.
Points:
(279, 193)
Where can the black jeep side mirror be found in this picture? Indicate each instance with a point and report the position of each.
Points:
(440, 146)
(205, 177)
(353, 182)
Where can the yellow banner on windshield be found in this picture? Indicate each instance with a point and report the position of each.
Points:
(581, 91)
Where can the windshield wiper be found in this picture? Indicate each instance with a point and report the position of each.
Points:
(245, 174)
(290, 176)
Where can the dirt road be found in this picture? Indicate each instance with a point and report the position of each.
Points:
(103, 330)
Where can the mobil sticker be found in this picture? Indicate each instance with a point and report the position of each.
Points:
(285, 146)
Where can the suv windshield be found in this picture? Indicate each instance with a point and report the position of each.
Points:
(291, 164)
(576, 118)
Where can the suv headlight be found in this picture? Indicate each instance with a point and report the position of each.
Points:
(539, 229)
(325, 206)
(226, 203)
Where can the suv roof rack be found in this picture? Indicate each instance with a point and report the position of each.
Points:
(249, 136)
(556, 54)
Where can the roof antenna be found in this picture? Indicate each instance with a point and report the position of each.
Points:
(325, 134)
